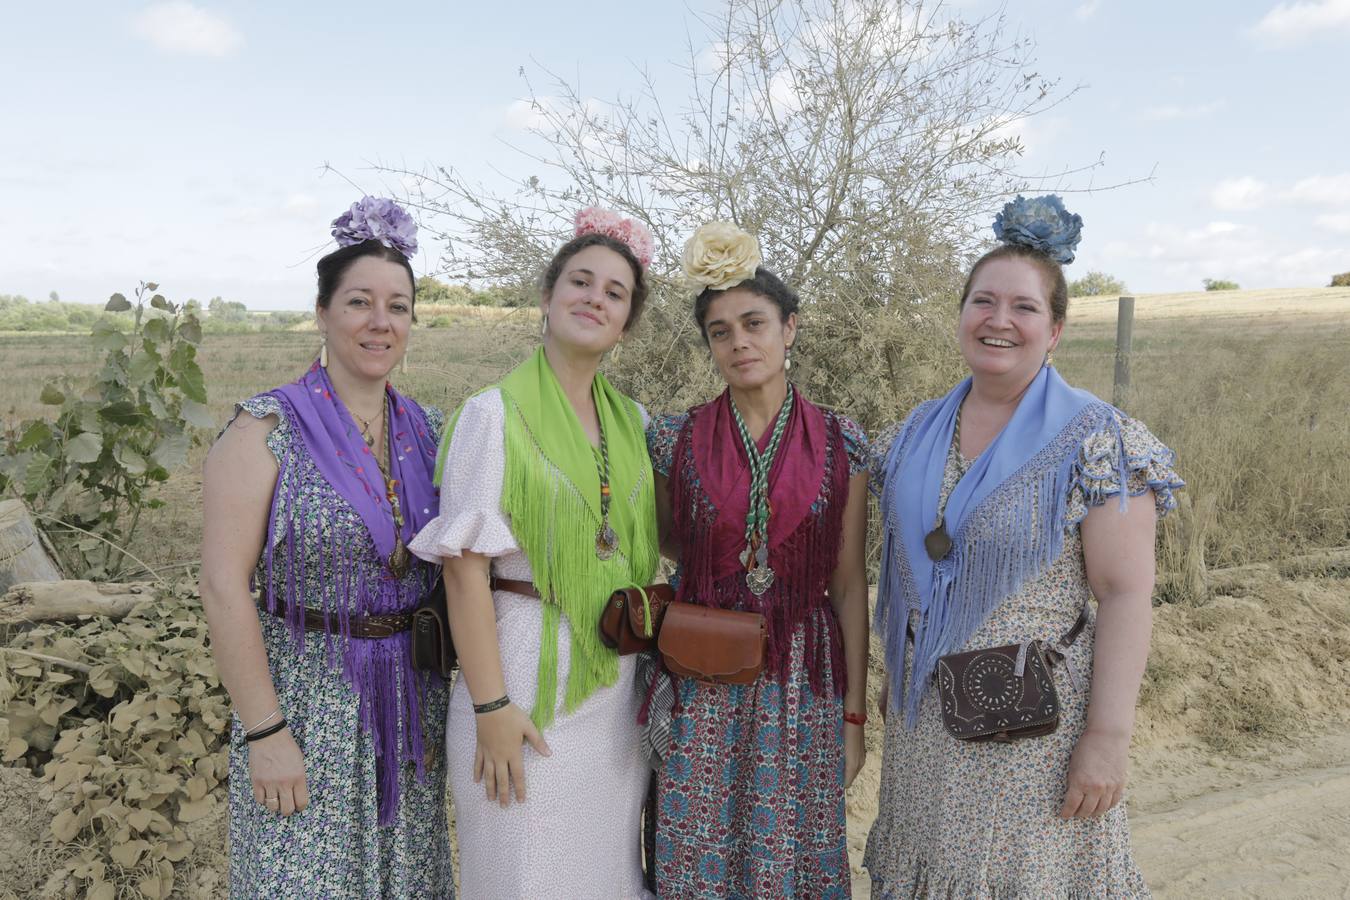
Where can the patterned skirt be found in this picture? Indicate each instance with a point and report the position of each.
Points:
(751, 799)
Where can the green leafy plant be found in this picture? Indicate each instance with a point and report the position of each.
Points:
(88, 474)
(126, 720)
(1220, 284)
(1096, 284)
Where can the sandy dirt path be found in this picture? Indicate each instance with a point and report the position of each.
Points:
(1273, 826)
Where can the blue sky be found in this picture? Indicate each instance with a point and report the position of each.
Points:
(184, 141)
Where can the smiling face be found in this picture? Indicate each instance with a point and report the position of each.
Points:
(589, 305)
(1006, 324)
(368, 318)
(748, 337)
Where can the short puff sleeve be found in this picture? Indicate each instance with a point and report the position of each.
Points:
(663, 432)
(471, 516)
(1123, 452)
(855, 443)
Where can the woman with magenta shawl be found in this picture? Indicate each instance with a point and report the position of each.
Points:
(762, 497)
(336, 776)
(998, 531)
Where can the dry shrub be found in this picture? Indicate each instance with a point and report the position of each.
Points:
(131, 751)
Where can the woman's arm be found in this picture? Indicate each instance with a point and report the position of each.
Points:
(237, 485)
(497, 762)
(1118, 556)
(848, 595)
(665, 520)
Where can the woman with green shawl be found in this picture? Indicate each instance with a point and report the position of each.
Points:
(546, 508)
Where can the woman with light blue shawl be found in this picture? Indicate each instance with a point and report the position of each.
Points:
(998, 532)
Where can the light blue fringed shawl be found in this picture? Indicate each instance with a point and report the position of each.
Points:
(1007, 517)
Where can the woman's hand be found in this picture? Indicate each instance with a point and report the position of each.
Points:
(855, 752)
(1097, 774)
(498, 762)
(277, 769)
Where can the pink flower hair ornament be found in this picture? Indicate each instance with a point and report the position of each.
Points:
(594, 220)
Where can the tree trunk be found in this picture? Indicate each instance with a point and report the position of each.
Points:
(22, 557)
(64, 601)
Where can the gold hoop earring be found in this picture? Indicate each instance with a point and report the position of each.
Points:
(323, 350)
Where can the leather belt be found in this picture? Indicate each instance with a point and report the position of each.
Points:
(525, 588)
(370, 627)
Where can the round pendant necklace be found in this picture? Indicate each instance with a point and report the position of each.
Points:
(938, 543)
(606, 540)
(759, 575)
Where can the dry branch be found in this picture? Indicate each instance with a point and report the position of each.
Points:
(62, 601)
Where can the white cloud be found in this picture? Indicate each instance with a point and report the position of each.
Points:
(177, 26)
(1239, 193)
(1173, 111)
(1337, 222)
(1290, 23)
(1221, 227)
(1322, 190)
(1087, 10)
(526, 115)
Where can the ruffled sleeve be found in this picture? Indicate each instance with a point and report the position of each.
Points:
(877, 451)
(471, 516)
(855, 442)
(260, 406)
(662, 433)
(1124, 451)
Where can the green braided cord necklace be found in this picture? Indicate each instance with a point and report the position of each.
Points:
(755, 556)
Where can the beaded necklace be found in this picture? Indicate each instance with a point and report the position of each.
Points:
(755, 556)
(399, 558)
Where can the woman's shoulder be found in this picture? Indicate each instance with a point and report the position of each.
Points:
(884, 438)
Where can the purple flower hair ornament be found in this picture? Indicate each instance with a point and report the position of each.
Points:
(377, 219)
(1041, 223)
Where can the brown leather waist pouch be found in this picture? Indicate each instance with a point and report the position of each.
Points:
(433, 650)
(985, 699)
(720, 645)
(624, 625)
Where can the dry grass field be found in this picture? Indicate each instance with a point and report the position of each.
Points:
(1251, 388)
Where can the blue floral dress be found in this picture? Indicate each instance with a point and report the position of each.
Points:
(751, 798)
(334, 848)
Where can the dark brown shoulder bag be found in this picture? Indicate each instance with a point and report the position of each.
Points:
(433, 649)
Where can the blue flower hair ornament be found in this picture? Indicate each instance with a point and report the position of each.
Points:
(1041, 223)
(377, 219)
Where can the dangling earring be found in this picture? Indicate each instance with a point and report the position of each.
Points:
(1050, 357)
(403, 364)
(323, 350)
(787, 359)
(543, 330)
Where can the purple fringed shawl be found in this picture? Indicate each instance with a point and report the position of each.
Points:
(1007, 518)
(379, 670)
(709, 522)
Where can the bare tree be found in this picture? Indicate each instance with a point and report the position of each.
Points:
(865, 142)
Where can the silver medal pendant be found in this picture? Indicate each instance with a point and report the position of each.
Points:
(760, 578)
(606, 541)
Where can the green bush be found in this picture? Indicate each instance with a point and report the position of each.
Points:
(1096, 284)
(1219, 284)
(1341, 280)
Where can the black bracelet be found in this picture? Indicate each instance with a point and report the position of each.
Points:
(266, 732)
(491, 706)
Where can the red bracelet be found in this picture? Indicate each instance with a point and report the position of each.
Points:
(853, 718)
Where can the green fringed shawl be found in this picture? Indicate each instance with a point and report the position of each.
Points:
(551, 493)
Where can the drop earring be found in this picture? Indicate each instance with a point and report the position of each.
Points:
(787, 359)
(323, 350)
(403, 364)
(543, 329)
(1050, 357)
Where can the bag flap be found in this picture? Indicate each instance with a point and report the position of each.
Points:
(659, 596)
(712, 642)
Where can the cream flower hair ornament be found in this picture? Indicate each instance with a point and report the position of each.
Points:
(595, 220)
(720, 256)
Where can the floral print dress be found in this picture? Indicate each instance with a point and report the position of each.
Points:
(751, 799)
(334, 848)
(970, 820)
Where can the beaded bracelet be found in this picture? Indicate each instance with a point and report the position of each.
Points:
(266, 732)
(853, 718)
(491, 706)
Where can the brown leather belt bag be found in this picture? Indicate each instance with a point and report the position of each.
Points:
(625, 625)
(433, 649)
(720, 645)
(1003, 693)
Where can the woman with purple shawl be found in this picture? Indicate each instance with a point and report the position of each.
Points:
(998, 532)
(762, 499)
(337, 774)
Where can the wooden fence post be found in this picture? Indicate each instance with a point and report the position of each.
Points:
(1124, 338)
